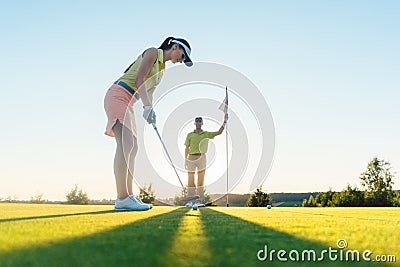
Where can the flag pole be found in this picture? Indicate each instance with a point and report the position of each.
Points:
(226, 146)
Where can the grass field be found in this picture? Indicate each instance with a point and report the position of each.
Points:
(68, 235)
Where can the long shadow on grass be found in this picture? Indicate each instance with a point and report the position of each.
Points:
(142, 243)
(235, 242)
(57, 215)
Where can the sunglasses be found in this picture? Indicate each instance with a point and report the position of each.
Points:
(183, 57)
(198, 120)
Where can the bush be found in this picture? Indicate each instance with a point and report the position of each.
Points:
(351, 197)
(147, 194)
(76, 196)
(10, 199)
(327, 199)
(38, 199)
(310, 202)
(259, 199)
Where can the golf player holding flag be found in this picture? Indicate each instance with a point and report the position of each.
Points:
(195, 156)
(137, 82)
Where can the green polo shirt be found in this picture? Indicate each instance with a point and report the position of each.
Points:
(198, 143)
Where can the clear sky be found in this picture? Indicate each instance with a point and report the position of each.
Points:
(329, 71)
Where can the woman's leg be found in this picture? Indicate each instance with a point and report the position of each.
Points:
(124, 148)
(131, 166)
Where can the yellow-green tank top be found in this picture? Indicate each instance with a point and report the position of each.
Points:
(152, 79)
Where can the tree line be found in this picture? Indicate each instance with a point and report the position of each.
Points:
(377, 190)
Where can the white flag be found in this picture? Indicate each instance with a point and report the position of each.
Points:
(224, 105)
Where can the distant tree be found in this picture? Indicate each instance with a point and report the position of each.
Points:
(378, 182)
(326, 199)
(335, 200)
(310, 202)
(323, 199)
(10, 199)
(259, 198)
(396, 199)
(76, 196)
(147, 194)
(351, 197)
(38, 199)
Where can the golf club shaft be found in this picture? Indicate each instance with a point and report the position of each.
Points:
(169, 157)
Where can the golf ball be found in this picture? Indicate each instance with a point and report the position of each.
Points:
(269, 207)
(194, 207)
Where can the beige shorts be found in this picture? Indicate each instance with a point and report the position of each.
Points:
(197, 161)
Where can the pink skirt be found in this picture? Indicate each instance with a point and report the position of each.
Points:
(118, 104)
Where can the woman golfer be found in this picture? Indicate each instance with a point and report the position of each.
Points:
(137, 82)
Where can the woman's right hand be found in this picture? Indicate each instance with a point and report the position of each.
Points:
(149, 115)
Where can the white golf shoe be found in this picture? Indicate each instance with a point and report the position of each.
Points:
(141, 202)
(130, 203)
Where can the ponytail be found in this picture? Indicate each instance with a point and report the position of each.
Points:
(167, 44)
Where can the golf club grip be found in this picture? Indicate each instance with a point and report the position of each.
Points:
(166, 152)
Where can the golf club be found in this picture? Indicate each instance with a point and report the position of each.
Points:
(185, 198)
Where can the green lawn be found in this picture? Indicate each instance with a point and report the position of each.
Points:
(68, 235)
